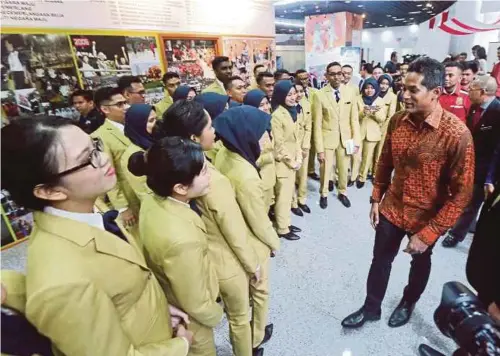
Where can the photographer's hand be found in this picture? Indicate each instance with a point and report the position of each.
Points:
(494, 311)
(415, 246)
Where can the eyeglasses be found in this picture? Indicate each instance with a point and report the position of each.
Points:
(118, 104)
(94, 160)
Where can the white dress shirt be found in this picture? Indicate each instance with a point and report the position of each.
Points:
(92, 219)
(118, 126)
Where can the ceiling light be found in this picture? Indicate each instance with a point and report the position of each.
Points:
(413, 28)
(419, 5)
(428, 4)
(282, 15)
(363, 16)
(348, 2)
(380, 25)
(389, 15)
(411, 18)
(318, 10)
(284, 11)
(317, 7)
(361, 5)
(414, 12)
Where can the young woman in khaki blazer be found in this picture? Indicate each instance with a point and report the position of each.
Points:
(88, 288)
(229, 241)
(174, 235)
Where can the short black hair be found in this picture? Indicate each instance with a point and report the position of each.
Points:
(257, 66)
(279, 73)
(393, 54)
(169, 161)
(218, 61)
(430, 69)
(332, 64)
(125, 82)
(367, 67)
(229, 83)
(472, 65)
(105, 94)
(300, 71)
(347, 66)
(475, 48)
(169, 75)
(88, 95)
(28, 157)
(263, 75)
(463, 54)
(183, 118)
(454, 65)
(481, 53)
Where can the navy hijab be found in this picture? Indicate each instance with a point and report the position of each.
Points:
(368, 100)
(213, 103)
(382, 77)
(240, 129)
(136, 119)
(254, 97)
(281, 90)
(181, 92)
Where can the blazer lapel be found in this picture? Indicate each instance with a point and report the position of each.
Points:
(181, 211)
(329, 93)
(117, 133)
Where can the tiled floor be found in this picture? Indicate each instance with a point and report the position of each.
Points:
(320, 279)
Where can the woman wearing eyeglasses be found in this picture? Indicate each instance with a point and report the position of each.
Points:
(88, 287)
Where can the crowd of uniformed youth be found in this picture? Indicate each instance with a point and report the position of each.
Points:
(203, 185)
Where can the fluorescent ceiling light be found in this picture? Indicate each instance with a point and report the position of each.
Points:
(361, 5)
(285, 2)
(288, 23)
(415, 12)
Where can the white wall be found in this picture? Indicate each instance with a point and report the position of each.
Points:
(293, 57)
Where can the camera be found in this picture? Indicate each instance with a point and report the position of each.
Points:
(463, 318)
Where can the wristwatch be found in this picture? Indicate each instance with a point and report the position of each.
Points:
(372, 200)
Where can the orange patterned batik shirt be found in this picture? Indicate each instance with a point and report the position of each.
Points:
(433, 165)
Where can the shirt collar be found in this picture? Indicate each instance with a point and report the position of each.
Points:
(433, 119)
(118, 125)
(220, 83)
(455, 91)
(179, 202)
(92, 219)
(487, 103)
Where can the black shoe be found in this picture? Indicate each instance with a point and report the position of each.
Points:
(268, 332)
(295, 228)
(450, 241)
(426, 350)
(330, 185)
(345, 200)
(358, 318)
(290, 236)
(360, 184)
(313, 176)
(304, 208)
(323, 202)
(402, 314)
(258, 352)
(272, 254)
(370, 176)
(297, 211)
(350, 183)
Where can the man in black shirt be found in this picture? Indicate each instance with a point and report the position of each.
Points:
(391, 66)
(91, 118)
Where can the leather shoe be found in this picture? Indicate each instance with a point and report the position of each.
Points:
(426, 350)
(358, 318)
(313, 176)
(345, 200)
(268, 332)
(258, 351)
(305, 208)
(402, 314)
(290, 236)
(350, 183)
(360, 184)
(297, 211)
(450, 241)
(295, 228)
(323, 202)
(330, 185)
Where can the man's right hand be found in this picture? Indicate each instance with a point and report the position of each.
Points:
(374, 215)
(488, 190)
(321, 157)
(128, 217)
(183, 332)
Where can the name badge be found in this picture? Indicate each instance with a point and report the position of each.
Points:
(347, 102)
(460, 101)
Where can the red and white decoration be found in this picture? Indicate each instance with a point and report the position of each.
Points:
(456, 27)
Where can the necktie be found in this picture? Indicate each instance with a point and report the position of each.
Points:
(110, 224)
(307, 93)
(337, 95)
(194, 207)
(477, 117)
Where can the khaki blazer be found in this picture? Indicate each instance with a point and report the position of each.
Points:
(91, 293)
(15, 283)
(176, 248)
(333, 122)
(305, 124)
(163, 105)
(250, 197)
(137, 184)
(267, 163)
(229, 239)
(287, 148)
(391, 102)
(115, 144)
(215, 88)
(371, 125)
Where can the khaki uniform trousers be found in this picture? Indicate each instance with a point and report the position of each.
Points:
(234, 292)
(259, 292)
(367, 156)
(300, 196)
(284, 189)
(311, 168)
(326, 170)
(203, 340)
(378, 152)
(269, 198)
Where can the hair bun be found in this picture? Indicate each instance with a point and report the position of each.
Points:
(137, 164)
